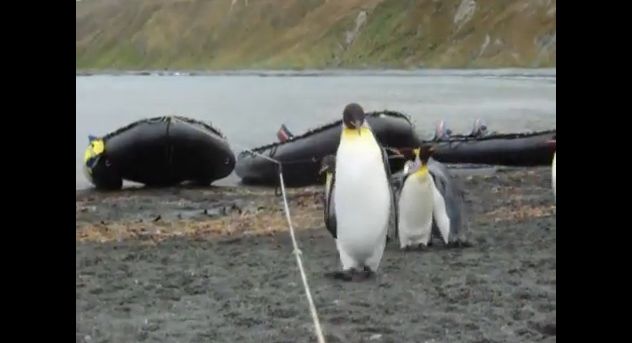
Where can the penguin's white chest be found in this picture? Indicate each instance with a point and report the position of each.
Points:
(362, 196)
(416, 206)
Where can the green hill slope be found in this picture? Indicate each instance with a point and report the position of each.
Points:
(231, 34)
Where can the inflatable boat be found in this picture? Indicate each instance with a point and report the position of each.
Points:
(512, 149)
(160, 151)
(300, 156)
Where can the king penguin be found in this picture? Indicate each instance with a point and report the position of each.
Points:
(419, 203)
(362, 196)
(431, 188)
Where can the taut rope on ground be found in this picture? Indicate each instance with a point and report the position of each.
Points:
(297, 252)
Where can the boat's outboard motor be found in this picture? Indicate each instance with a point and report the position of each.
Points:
(479, 129)
(441, 132)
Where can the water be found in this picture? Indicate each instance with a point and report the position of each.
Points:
(249, 107)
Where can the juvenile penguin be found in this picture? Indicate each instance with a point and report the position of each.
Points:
(328, 166)
(362, 196)
(419, 203)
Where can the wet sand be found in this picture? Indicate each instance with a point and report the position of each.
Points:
(216, 265)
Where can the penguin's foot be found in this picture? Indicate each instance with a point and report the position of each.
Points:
(362, 275)
(415, 247)
(346, 275)
(352, 274)
(368, 273)
(459, 244)
(422, 247)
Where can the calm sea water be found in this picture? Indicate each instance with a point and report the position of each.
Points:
(249, 107)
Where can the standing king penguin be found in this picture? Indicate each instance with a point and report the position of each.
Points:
(419, 203)
(362, 196)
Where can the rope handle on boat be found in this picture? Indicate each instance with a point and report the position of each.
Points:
(315, 159)
(277, 190)
(296, 251)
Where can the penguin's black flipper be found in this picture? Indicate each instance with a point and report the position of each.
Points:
(328, 165)
(330, 210)
(340, 275)
(454, 196)
(387, 169)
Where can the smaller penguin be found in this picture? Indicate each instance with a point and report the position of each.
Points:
(420, 202)
(328, 166)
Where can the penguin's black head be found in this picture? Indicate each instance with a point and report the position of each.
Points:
(328, 164)
(353, 116)
(423, 153)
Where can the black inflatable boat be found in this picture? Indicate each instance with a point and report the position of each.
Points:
(301, 155)
(513, 149)
(160, 151)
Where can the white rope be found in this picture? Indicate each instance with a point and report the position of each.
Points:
(297, 252)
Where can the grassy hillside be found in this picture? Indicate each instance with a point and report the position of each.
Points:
(230, 34)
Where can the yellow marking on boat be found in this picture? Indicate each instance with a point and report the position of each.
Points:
(95, 148)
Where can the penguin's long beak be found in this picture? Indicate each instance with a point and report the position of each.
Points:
(416, 152)
(358, 126)
(322, 170)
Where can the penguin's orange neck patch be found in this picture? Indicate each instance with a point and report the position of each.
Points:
(422, 172)
(364, 132)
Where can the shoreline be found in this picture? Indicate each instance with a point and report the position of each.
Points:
(508, 72)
